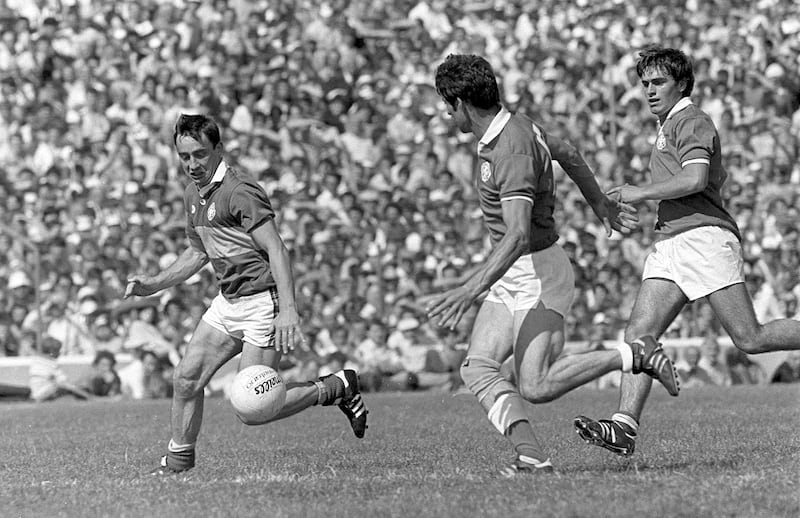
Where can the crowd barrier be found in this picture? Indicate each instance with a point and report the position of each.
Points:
(14, 370)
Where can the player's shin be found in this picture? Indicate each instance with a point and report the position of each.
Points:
(504, 407)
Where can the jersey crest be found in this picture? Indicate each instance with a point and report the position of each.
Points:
(486, 171)
(661, 142)
(212, 211)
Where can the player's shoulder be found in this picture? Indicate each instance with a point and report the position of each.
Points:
(237, 179)
(692, 113)
(519, 130)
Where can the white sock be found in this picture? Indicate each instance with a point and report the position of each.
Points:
(627, 420)
(177, 448)
(626, 353)
(535, 462)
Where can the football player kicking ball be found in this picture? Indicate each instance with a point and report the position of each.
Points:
(230, 223)
(700, 254)
(529, 277)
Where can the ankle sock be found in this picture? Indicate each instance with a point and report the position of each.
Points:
(330, 390)
(180, 456)
(627, 421)
(524, 441)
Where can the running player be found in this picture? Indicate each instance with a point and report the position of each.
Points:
(700, 254)
(230, 223)
(529, 277)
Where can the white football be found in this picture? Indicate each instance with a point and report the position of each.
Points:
(257, 394)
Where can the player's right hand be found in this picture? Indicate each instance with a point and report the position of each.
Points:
(138, 286)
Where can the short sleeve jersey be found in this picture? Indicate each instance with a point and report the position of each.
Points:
(515, 163)
(689, 136)
(219, 222)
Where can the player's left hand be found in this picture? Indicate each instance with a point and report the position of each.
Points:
(616, 215)
(449, 307)
(288, 333)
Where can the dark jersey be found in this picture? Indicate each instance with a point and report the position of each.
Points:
(516, 164)
(688, 136)
(219, 224)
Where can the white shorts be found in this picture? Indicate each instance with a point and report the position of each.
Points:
(700, 261)
(545, 276)
(247, 318)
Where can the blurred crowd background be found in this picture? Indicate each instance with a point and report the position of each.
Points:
(330, 105)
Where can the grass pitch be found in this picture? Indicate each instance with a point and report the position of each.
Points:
(710, 452)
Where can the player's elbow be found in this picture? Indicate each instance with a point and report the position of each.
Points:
(699, 183)
(521, 240)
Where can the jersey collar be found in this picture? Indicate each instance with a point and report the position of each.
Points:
(219, 174)
(681, 104)
(495, 127)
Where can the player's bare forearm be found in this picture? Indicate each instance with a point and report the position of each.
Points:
(288, 333)
(508, 250)
(449, 307)
(284, 281)
(570, 159)
(692, 179)
(187, 264)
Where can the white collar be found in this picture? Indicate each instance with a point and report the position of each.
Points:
(681, 104)
(219, 174)
(495, 127)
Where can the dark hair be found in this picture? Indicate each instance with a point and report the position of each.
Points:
(196, 126)
(469, 78)
(672, 61)
(107, 355)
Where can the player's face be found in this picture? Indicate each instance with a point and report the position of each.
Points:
(661, 91)
(199, 159)
(458, 115)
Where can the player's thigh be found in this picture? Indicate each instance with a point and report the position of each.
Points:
(540, 340)
(658, 303)
(733, 307)
(255, 355)
(207, 351)
(492, 332)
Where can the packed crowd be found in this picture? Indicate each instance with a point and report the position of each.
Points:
(330, 105)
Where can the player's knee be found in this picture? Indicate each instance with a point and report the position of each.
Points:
(748, 342)
(185, 387)
(536, 390)
(480, 374)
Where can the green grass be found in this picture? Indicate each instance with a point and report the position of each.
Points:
(710, 452)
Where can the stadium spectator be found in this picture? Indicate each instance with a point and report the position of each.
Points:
(743, 370)
(148, 376)
(46, 380)
(103, 381)
(712, 362)
(789, 370)
(691, 373)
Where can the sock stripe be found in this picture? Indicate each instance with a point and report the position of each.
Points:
(180, 448)
(627, 420)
